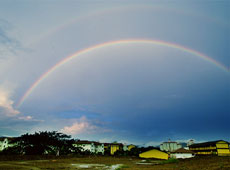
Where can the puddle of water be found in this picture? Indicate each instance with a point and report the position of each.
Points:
(114, 167)
(97, 166)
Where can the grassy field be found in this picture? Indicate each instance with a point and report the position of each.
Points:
(111, 163)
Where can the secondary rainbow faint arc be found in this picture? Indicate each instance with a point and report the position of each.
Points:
(111, 43)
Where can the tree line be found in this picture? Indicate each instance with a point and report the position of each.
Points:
(55, 143)
(52, 143)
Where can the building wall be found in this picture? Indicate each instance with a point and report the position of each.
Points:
(85, 147)
(223, 148)
(170, 146)
(100, 148)
(91, 147)
(181, 155)
(113, 149)
(220, 148)
(154, 154)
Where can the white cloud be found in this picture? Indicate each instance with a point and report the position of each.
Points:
(80, 126)
(26, 118)
(6, 104)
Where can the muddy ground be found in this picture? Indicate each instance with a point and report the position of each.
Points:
(111, 163)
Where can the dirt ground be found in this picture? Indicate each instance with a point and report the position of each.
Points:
(111, 163)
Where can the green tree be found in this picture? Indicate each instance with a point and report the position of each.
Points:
(46, 143)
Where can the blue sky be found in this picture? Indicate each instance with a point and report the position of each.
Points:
(134, 93)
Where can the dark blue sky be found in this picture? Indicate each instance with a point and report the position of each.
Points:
(135, 92)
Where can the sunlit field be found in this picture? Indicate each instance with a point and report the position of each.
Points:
(112, 163)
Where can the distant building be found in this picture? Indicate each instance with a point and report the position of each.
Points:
(91, 146)
(170, 146)
(96, 147)
(111, 148)
(115, 147)
(182, 153)
(219, 147)
(154, 153)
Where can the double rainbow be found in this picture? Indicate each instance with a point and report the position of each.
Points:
(109, 44)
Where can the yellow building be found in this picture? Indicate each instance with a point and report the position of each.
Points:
(220, 148)
(114, 148)
(154, 153)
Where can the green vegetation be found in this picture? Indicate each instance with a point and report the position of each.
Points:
(171, 160)
(52, 143)
(122, 167)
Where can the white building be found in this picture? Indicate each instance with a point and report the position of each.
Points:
(91, 146)
(170, 146)
(99, 148)
(182, 154)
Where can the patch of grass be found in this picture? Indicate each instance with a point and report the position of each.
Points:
(183, 168)
(221, 165)
(124, 166)
(148, 161)
(171, 160)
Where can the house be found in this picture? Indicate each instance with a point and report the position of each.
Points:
(91, 146)
(170, 146)
(111, 148)
(154, 153)
(182, 153)
(219, 147)
(115, 147)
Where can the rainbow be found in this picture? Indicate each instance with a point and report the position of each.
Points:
(122, 8)
(100, 12)
(112, 43)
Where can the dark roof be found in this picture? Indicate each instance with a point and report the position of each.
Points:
(204, 144)
(182, 150)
